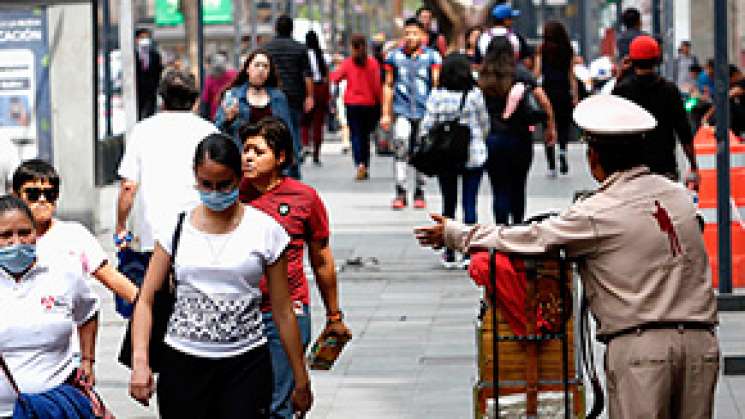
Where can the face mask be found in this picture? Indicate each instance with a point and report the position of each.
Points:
(144, 42)
(218, 201)
(17, 258)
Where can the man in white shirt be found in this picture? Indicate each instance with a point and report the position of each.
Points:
(157, 164)
(8, 163)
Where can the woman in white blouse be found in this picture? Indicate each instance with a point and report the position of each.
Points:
(40, 302)
(218, 364)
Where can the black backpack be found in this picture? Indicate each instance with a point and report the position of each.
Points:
(444, 148)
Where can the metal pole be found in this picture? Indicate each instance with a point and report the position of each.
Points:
(334, 42)
(583, 33)
(126, 45)
(106, 44)
(619, 16)
(656, 18)
(275, 11)
(668, 39)
(347, 27)
(237, 16)
(200, 43)
(254, 25)
(721, 104)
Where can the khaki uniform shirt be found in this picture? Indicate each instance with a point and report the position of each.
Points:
(641, 253)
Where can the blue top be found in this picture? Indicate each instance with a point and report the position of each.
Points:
(412, 80)
(277, 102)
(705, 81)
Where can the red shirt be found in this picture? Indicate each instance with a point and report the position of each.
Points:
(298, 208)
(213, 87)
(363, 83)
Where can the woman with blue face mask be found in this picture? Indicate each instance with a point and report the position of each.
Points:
(41, 300)
(218, 364)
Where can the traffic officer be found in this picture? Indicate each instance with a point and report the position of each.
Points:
(642, 263)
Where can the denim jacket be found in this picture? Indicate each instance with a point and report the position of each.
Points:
(277, 100)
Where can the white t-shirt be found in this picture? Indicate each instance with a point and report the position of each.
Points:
(160, 158)
(71, 238)
(217, 314)
(8, 163)
(37, 316)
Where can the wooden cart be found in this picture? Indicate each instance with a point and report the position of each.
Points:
(537, 362)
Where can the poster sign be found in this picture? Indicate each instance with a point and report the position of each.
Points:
(167, 12)
(25, 109)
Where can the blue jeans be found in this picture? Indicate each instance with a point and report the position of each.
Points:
(471, 179)
(281, 370)
(361, 120)
(295, 117)
(508, 161)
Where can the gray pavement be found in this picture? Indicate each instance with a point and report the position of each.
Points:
(413, 352)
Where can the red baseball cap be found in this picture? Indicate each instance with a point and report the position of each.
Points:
(644, 47)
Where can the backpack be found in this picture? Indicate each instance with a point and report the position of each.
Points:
(444, 148)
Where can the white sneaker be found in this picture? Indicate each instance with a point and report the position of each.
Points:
(551, 173)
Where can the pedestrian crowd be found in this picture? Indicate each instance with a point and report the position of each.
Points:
(221, 221)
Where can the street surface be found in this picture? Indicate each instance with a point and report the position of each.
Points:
(413, 352)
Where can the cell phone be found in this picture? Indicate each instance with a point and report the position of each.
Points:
(229, 100)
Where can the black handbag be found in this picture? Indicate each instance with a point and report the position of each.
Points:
(444, 148)
(163, 303)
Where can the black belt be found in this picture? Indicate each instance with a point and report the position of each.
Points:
(656, 326)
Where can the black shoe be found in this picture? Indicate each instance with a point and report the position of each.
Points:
(563, 166)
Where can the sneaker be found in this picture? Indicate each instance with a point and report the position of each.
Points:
(399, 203)
(448, 260)
(419, 202)
(551, 173)
(361, 173)
(465, 262)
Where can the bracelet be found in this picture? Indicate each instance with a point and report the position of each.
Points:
(336, 316)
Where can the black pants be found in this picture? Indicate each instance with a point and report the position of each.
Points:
(231, 388)
(508, 162)
(563, 126)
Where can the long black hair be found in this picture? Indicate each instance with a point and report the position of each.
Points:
(498, 71)
(220, 148)
(556, 50)
(456, 73)
(311, 41)
(13, 203)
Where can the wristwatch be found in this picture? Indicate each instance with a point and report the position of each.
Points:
(336, 316)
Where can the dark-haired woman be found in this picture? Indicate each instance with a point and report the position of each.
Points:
(218, 363)
(361, 99)
(443, 104)
(509, 144)
(253, 95)
(43, 301)
(472, 43)
(312, 123)
(267, 150)
(555, 66)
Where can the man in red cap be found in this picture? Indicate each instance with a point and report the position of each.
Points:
(662, 99)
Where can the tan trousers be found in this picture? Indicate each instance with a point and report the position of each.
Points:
(662, 374)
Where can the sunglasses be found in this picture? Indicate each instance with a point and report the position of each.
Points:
(34, 194)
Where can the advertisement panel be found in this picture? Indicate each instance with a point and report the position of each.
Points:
(167, 12)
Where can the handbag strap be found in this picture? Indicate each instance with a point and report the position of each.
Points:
(175, 242)
(8, 375)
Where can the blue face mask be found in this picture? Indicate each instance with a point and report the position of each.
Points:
(17, 258)
(218, 201)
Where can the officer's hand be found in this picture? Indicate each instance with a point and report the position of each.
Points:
(434, 235)
(385, 122)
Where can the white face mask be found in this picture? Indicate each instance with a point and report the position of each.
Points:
(144, 42)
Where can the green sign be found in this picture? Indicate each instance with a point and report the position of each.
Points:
(168, 13)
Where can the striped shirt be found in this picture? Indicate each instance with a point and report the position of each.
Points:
(442, 105)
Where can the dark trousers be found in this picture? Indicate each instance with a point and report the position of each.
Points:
(231, 388)
(563, 125)
(312, 125)
(470, 179)
(508, 162)
(361, 120)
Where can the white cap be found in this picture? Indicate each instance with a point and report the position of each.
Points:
(612, 115)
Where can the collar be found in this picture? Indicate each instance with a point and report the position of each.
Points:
(623, 177)
(415, 54)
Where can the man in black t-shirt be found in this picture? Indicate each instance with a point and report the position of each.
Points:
(662, 99)
(435, 40)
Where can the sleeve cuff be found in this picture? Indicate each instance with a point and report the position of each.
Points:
(455, 234)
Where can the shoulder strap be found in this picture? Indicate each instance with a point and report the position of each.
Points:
(8, 375)
(463, 100)
(175, 241)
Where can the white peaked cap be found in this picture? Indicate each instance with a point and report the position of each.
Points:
(612, 115)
